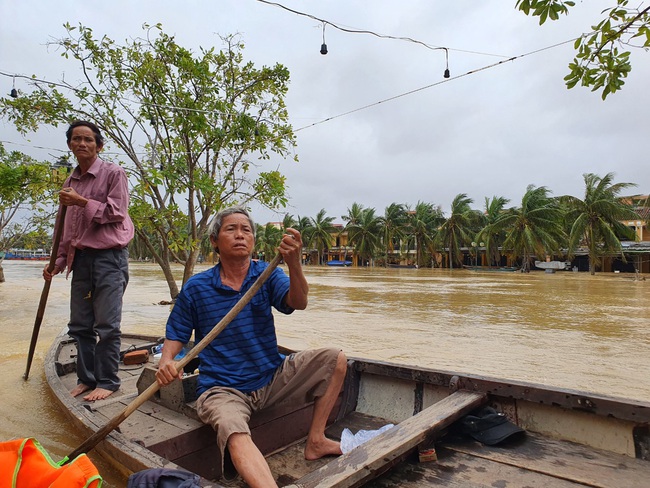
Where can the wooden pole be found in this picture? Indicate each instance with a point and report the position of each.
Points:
(98, 436)
(46, 290)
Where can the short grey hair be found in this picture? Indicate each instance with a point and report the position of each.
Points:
(217, 221)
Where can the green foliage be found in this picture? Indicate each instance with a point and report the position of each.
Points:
(267, 241)
(602, 61)
(364, 233)
(490, 235)
(394, 224)
(534, 228)
(423, 223)
(597, 218)
(318, 234)
(458, 229)
(27, 185)
(195, 129)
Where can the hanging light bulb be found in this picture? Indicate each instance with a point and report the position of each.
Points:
(14, 92)
(323, 47)
(446, 73)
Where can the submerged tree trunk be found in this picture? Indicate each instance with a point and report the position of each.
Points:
(163, 262)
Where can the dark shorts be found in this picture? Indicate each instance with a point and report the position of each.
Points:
(300, 379)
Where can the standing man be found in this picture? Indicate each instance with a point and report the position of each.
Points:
(241, 371)
(96, 232)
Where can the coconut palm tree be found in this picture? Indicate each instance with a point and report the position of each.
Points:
(288, 221)
(319, 233)
(267, 240)
(458, 229)
(302, 224)
(393, 225)
(364, 233)
(352, 218)
(596, 218)
(423, 224)
(492, 239)
(535, 228)
(354, 214)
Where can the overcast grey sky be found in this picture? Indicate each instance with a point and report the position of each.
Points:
(489, 133)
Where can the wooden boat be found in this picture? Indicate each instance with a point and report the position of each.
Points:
(336, 262)
(573, 439)
(553, 265)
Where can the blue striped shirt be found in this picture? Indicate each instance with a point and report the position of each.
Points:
(245, 355)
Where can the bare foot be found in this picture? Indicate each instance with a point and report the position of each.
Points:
(98, 394)
(79, 389)
(322, 448)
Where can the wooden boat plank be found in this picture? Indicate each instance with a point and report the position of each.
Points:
(378, 454)
(144, 429)
(459, 470)
(565, 460)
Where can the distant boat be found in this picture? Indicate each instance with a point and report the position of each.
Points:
(490, 268)
(553, 264)
(27, 254)
(336, 262)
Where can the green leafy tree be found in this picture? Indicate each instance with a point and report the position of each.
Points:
(267, 240)
(423, 223)
(194, 129)
(288, 221)
(26, 186)
(394, 228)
(302, 225)
(354, 214)
(457, 230)
(319, 234)
(534, 228)
(364, 233)
(596, 218)
(602, 61)
(352, 218)
(489, 235)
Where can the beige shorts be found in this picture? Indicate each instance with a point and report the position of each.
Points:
(300, 379)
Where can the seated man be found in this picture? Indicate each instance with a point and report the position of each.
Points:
(241, 371)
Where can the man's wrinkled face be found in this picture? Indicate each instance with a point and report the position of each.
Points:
(236, 238)
(82, 143)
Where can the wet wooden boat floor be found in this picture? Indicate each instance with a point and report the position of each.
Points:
(533, 462)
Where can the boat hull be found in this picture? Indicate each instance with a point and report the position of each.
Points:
(564, 428)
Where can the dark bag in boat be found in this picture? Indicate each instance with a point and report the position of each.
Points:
(163, 478)
(136, 357)
(490, 427)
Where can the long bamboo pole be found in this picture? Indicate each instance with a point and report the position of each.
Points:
(46, 290)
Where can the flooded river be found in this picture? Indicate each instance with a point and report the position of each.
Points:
(565, 329)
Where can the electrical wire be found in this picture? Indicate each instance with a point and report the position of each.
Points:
(447, 80)
(372, 33)
(328, 119)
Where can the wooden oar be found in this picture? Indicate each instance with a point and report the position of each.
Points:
(46, 290)
(98, 436)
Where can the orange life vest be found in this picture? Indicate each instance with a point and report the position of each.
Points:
(25, 464)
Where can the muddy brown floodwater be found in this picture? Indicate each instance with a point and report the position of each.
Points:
(566, 329)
